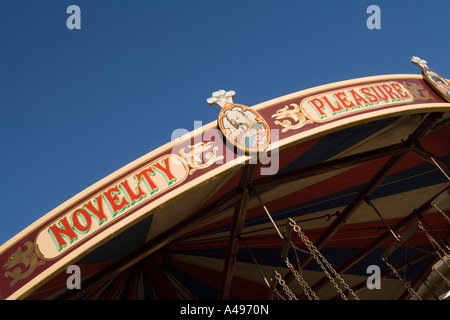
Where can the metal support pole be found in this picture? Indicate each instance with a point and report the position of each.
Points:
(273, 284)
(396, 236)
(236, 228)
(404, 238)
(420, 151)
(256, 263)
(286, 241)
(268, 213)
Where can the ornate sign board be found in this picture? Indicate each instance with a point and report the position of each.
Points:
(241, 125)
(141, 188)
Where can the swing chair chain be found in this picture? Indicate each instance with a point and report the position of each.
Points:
(306, 288)
(299, 275)
(313, 250)
(319, 258)
(436, 245)
(442, 212)
(408, 287)
(279, 295)
(289, 293)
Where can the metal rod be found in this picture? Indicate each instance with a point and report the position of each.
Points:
(272, 286)
(397, 237)
(420, 151)
(396, 245)
(286, 241)
(441, 197)
(328, 166)
(268, 213)
(256, 262)
(442, 170)
(240, 210)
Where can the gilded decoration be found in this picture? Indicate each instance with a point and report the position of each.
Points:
(193, 155)
(297, 117)
(29, 258)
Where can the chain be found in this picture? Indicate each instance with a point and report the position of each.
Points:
(442, 212)
(338, 276)
(296, 249)
(410, 289)
(306, 288)
(319, 258)
(436, 245)
(315, 255)
(438, 249)
(289, 293)
(279, 295)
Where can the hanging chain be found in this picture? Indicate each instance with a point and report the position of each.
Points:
(444, 256)
(306, 288)
(296, 249)
(319, 258)
(313, 250)
(305, 285)
(279, 295)
(436, 245)
(410, 289)
(289, 293)
(442, 212)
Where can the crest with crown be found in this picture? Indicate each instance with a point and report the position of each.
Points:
(221, 98)
(255, 138)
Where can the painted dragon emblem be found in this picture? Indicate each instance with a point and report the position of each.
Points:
(298, 115)
(194, 155)
(29, 258)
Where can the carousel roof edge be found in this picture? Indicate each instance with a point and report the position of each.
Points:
(332, 85)
(164, 155)
(171, 144)
(152, 154)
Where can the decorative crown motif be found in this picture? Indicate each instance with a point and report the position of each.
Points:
(222, 98)
(422, 64)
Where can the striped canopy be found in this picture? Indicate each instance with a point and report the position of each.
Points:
(351, 213)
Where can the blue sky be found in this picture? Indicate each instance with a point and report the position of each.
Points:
(76, 105)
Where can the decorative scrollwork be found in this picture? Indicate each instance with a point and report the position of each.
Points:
(297, 114)
(29, 257)
(417, 91)
(194, 155)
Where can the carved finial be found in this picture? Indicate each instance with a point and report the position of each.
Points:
(221, 98)
(422, 64)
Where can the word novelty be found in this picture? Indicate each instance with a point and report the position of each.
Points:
(114, 201)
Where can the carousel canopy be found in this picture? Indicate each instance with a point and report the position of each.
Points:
(335, 192)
